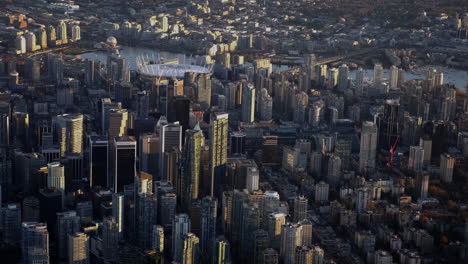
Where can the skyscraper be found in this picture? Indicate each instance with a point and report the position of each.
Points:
(118, 123)
(237, 142)
(219, 129)
(270, 256)
(261, 242)
(98, 161)
(118, 212)
(62, 32)
(274, 227)
(149, 153)
(124, 162)
(147, 209)
(70, 133)
(158, 238)
(321, 191)
(363, 196)
(360, 82)
(368, 147)
(78, 248)
(221, 251)
(56, 176)
(290, 239)
(343, 72)
(191, 250)
(171, 139)
(34, 243)
(378, 72)
(389, 124)
(422, 185)
(416, 158)
(191, 165)
(68, 223)
(110, 238)
(447, 164)
(393, 78)
(208, 228)
(248, 102)
(252, 178)
(300, 208)
(304, 255)
(204, 90)
(10, 223)
(180, 228)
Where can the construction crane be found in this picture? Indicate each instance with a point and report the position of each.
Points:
(392, 152)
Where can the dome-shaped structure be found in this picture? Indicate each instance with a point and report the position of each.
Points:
(112, 41)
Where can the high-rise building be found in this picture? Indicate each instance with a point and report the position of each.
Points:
(180, 228)
(319, 257)
(304, 255)
(118, 123)
(266, 105)
(300, 208)
(191, 251)
(191, 165)
(147, 208)
(167, 208)
(270, 256)
(426, 143)
(378, 73)
(78, 248)
(179, 111)
(416, 158)
(393, 78)
(343, 72)
(208, 228)
(334, 173)
(204, 90)
(118, 212)
(31, 209)
(98, 161)
(10, 223)
(261, 242)
(389, 124)
(30, 41)
(237, 142)
(291, 238)
(110, 238)
(34, 243)
(447, 164)
(89, 72)
(170, 139)
(51, 36)
(157, 238)
(248, 102)
(252, 178)
(56, 176)
(222, 253)
(321, 191)
(422, 185)
(106, 106)
(363, 196)
(42, 35)
(219, 129)
(275, 223)
(149, 153)
(368, 147)
(62, 32)
(70, 133)
(76, 33)
(310, 61)
(68, 223)
(360, 82)
(124, 162)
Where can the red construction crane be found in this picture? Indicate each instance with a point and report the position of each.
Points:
(392, 152)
